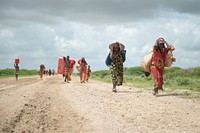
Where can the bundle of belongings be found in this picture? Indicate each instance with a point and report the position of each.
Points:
(147, 60)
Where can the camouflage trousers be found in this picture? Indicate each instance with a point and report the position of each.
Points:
(116, 69)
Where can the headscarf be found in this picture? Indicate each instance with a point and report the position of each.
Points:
(115, 45)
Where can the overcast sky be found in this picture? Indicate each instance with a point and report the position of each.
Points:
(40, 31)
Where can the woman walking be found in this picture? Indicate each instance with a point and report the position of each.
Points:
(82, 69)
(158, 63)
(115, 61)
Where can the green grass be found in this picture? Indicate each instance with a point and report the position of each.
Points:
(11, 72)
(176, 79)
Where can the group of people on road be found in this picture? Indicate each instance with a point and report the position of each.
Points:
(117, 56)
(114, 61)
(43, 71)
(49, 72)
(82, 67)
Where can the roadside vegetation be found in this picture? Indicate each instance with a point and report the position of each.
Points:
(183, 82)
(178, 81)
(11, 72)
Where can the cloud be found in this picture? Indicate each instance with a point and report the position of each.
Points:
(41, 31)
(22, 12)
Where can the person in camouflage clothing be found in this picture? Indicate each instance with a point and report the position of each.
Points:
(116, 63)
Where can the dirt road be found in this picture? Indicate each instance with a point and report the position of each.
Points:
(34, 105)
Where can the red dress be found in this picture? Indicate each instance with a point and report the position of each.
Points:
(157, 68)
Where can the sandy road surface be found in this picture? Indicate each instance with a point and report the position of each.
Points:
(33, 105)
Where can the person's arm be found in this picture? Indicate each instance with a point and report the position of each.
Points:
(168, 46)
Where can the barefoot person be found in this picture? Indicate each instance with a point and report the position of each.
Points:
(82, 69)
(89, 71)
(42, 70)
(115, 61)
(16, 71)
(71, 67)
(67, 69)
(158, 63)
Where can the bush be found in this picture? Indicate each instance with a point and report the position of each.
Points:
(102, 73)
(137, 71)
(173, 77)
(23, 72)
(196, 72)
(183, 81)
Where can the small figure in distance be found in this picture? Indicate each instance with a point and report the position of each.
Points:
(67, 69)
(16, 70)
(89, 71)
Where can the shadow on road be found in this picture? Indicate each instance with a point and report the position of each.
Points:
(171, 94)
(129, 91)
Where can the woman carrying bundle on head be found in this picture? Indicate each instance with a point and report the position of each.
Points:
(67, 69)
(159, 60)
(114, 61)
(82, 68)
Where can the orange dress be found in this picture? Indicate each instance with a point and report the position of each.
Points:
(82, 68)
(42, 68)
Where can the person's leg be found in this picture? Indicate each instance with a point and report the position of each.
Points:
(120, 73)
(16, 75)
(88, 77)
(114, 81)
(114, 87)
(84, 75)
(41, 73)
(113, 76)
(65, 74)
(81, 76)
(65, 78)
(68, 75)
(155, 72)
(155, 87)
(160, 79)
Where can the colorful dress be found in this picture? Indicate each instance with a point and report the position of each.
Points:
(67, 70)
(114, 61)
(82, 70)
(42, 68)
(157, 67)
(116, 68)
(16, 71)
(88, 73)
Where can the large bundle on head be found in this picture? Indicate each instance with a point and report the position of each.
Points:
(146, 62)
(78, 66)
(71, 66)
(115, 46)
(61, 67)
(17, 60)
(72, 63)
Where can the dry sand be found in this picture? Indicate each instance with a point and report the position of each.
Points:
(34, 105)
